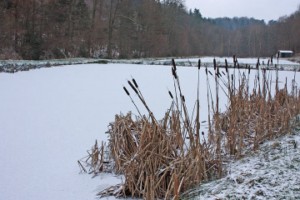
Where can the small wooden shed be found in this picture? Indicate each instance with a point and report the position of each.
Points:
(285, 53)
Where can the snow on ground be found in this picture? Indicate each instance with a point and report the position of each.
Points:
(51, 116)
(49, 62)
(251, 61)
(48, 119)
(270, 173)
(12, 66)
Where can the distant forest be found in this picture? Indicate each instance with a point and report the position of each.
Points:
(46, 29)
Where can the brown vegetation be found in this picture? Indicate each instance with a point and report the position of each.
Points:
(163, 158)
(254, 116)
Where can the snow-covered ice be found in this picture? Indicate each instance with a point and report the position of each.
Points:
(51, 116)
(48, 119)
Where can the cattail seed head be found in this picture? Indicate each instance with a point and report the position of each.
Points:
(134, 82)
(271, 60)
(174, 64)
(174, 73)
(126, 91)
(134, 89)
(206, 70)
(182, 97)
(171, 95)
(215, 64)
(234, 61)
(199, 64)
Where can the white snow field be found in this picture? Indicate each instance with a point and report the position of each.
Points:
(51, 116)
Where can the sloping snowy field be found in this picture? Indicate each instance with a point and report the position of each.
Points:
(271, 173)
(51, 116)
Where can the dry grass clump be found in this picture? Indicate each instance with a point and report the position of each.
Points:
(154, 157)
(160, 159)
(254, 116)
(96, 161)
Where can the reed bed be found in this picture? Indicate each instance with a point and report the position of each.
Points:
(254, 116)
(153, 156)
(161, 159)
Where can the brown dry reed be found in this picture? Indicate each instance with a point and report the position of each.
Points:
(161, 159)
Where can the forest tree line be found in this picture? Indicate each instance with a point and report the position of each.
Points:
(46, 29)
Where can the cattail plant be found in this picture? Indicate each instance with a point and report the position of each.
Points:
(161, 159)
(136, 89)
(198, 103)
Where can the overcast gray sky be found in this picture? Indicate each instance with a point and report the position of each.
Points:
(259, 9)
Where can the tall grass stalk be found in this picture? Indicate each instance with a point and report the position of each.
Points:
(157, 158)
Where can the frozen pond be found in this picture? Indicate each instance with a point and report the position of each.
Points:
(50, 117)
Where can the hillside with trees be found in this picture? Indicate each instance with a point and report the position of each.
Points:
(45, 29)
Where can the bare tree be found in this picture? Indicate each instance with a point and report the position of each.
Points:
(113, 9)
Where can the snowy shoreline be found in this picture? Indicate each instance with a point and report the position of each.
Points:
(13, 66)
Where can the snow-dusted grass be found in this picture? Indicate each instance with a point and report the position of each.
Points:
(50, 117)
(270, 173)
(251, 61)
(13, 66)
